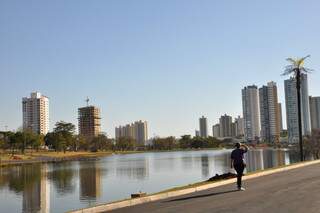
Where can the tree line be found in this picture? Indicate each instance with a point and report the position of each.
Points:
(185, 142)
(64, 138)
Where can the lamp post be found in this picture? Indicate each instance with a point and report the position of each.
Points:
(296, 68)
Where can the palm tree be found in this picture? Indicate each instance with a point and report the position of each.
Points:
(296, 68)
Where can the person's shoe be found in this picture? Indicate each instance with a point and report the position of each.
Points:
(241, 189)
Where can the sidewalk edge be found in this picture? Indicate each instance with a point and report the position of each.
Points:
(164, 195)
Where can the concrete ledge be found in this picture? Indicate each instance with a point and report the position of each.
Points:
(164, 195)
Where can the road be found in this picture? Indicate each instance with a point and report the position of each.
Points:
(297, 190)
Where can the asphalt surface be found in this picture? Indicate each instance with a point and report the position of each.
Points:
(297, 190)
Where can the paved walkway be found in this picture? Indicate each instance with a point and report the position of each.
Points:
(297, 190)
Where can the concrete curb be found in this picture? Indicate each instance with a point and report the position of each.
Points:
(164, 195)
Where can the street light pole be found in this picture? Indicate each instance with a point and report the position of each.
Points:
(298, 86)
(296, 67)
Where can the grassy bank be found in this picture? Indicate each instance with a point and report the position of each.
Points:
(47, 156)
(6, 158)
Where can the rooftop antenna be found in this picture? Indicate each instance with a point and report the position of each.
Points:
(87, 100)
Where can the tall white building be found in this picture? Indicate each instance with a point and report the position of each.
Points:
(225, 122)
(239, 126)
(269, 113)
(315, 112)
(35, 113)
(250, 107)
(203, 127)
(216, 130)
(292, 108)
(137, 131)
(280, 117)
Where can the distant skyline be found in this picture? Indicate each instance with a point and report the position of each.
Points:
(167, 62)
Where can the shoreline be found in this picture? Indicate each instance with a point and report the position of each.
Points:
(188, 189)
(53, 157)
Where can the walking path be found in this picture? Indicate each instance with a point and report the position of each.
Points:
(296, 190)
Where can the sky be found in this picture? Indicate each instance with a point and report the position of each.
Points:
(164, 61)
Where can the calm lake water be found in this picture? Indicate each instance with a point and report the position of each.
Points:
(59, 187)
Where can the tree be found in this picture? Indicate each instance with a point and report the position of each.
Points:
(62, 137)
(64, 127)
(81, 142)
(4, 140)
(185, 141)
(167, 143)
(213, 142)
(125, 143)
(55, 141)
(296, 68)
(100, 142)
(16, 141)
(312, 144)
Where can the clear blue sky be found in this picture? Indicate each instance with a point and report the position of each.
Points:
(166, 61)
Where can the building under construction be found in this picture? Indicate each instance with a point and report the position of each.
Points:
(89, 121)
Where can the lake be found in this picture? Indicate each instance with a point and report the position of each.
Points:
(59, 187)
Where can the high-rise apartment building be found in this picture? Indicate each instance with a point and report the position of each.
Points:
(89, 121)
(233, 129)
(141, 132)
(292, 108)
(216, 130)
(35, 113)
(315, 112)
(280, 117)
(225, 122)
(203, 127)
(269, 113)
(239, 126)
(251, 116)
(137, 131)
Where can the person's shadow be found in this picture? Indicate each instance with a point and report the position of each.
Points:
(200, 196)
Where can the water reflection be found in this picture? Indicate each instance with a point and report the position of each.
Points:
(90, 181)
(205, 165)
(255, 160)
(133, 168)
(84, 183)
(62, 176)
(36, 196)
(187, 162)
(30, 181)
(267, 158)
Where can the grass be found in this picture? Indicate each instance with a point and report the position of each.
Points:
(31, 157)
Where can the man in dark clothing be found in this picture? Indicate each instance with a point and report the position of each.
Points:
(237, 162)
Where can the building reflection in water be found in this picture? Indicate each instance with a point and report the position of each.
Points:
(36, 196)
(163, 162)
(62, 177)
(254, 160)
(32, 183)
(215, 164)
(205, 165)
(226, 163)
(90, 180)
(187, 162)
(133, 168)
(266, 158)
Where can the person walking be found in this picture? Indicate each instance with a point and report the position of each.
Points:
(237, 162)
